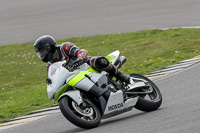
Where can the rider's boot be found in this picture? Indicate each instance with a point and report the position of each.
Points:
(120, 76)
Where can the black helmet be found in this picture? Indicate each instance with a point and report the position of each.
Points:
(45, 47)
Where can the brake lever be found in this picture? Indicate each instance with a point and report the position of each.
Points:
(70, 69)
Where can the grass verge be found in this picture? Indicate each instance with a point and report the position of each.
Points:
(22, 74)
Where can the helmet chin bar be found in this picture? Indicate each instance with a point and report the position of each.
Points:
(48, 57)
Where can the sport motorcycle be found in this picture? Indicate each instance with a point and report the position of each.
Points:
(85, 96)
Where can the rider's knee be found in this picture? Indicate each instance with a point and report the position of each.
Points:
(101, 63)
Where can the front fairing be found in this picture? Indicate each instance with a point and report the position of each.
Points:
(59, 75)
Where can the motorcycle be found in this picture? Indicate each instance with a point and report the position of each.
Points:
(85, 96)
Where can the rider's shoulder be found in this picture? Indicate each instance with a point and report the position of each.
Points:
(67, 44)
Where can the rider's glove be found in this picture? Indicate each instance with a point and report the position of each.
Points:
(79, 61)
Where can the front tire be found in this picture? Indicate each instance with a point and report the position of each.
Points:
(85, 118)
(155, 98)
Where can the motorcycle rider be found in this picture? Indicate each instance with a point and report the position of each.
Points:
(48, 52)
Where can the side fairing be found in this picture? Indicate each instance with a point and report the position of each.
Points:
(92, 79)
(115, 102)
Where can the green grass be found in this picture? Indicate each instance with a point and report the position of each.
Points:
(23, 75)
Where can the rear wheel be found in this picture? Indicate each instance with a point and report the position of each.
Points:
(85, 117)
(151, 101)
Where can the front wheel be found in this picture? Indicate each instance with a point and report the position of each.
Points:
(151, 101)
(87, 117)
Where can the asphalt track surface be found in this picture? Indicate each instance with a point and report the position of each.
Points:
(179, 112)
(66, 18)
(26, 20)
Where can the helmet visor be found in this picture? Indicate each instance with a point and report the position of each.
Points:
(42, 53)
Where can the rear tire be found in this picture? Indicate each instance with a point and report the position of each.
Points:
(75, 115)
(155, 97)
